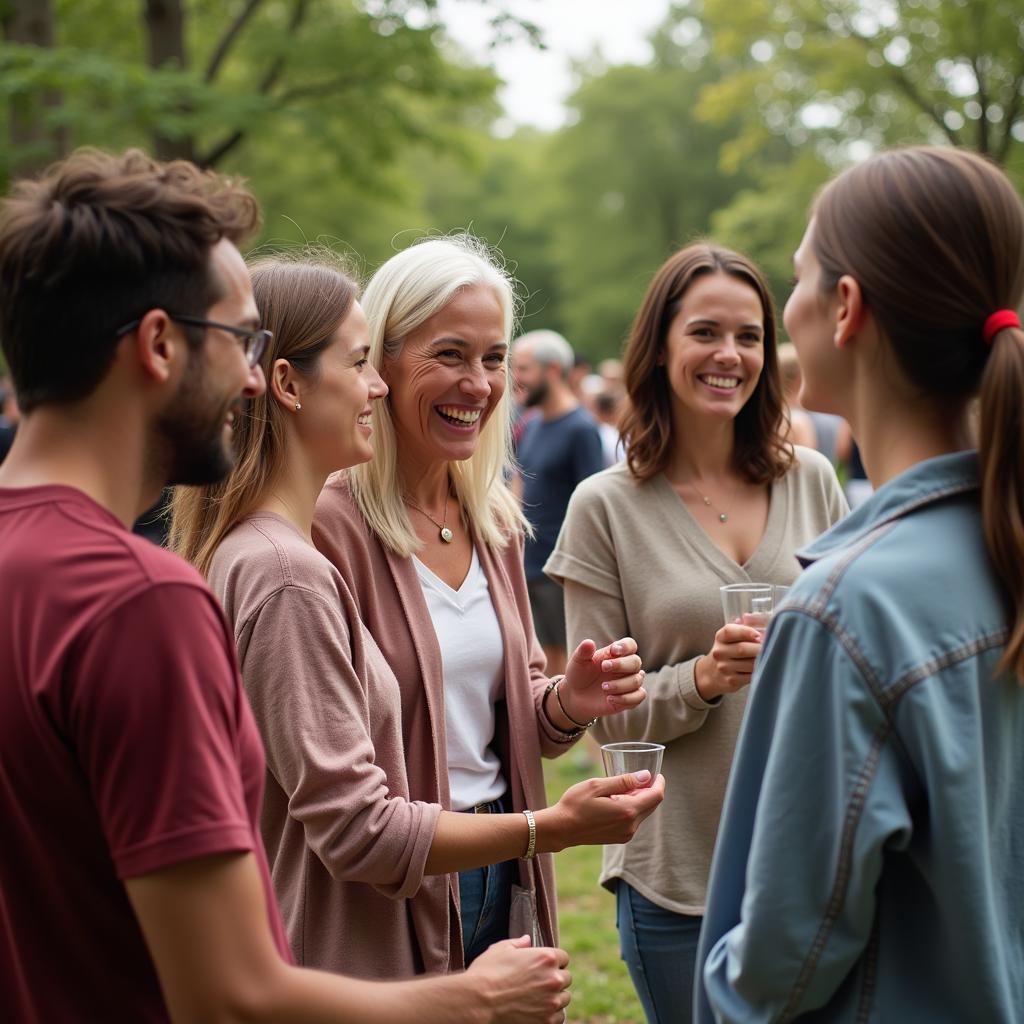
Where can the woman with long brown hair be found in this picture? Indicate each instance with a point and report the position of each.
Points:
(360, 859)
(710, 494)
(869, 860)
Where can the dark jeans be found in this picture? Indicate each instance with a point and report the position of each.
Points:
(660, 950)
(485, 896)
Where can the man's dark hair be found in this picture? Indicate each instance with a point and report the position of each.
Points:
(96, 242)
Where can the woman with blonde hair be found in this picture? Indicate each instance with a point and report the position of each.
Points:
(711, 493)
(869, 861)
(428, 539)
(357, 854)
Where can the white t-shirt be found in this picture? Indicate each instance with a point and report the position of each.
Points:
(473, 656)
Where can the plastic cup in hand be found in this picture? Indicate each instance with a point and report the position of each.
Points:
(749, 603)
(632, 756)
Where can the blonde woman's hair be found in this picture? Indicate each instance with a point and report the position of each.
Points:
(402, 295)
(302, 299)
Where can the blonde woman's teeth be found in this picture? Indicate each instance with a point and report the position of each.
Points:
(364, 420)
(459, 415)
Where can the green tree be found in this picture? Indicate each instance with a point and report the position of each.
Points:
(212, 80)
(851, 75)
(638, 175)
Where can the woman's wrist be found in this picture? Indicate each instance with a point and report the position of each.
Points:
(703, 687)
(549, 837)
(555, 714)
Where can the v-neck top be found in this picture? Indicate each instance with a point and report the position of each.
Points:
(473, 660)
(653, 573)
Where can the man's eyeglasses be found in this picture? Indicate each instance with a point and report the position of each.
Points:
(253, 340)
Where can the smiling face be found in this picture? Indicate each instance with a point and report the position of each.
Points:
(450, 374)
(337, 412)
(196, 428)
(714, 348)
(809, 317)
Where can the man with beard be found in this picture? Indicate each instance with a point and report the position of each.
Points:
(134, 884)
(557, 449)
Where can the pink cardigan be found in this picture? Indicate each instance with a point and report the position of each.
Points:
(346, 842)
(391, 604)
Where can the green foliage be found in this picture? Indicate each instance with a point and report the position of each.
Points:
(637, 176)
(850, 75)
(356, 80)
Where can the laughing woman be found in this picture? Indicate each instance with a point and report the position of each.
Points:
(429, 539)
(710, 494)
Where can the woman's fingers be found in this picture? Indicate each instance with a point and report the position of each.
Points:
(623, 684)
(626, 701)
(622, 666)
(627, 645)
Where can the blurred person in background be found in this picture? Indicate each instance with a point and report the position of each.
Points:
(801, 426)
(427, 538)
(711, 493)
(557, 449)
(581, 369)
(9, 416)
(608, 413)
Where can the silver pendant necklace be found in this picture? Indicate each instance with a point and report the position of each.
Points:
(443, 530)
(723, 517)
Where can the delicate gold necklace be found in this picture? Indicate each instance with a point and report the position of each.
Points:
(443, 531)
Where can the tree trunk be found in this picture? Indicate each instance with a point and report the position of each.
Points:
(33, 22)
(165, 33)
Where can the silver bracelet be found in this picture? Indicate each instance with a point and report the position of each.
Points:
(563, 736)
(531, 842)
(579, 725)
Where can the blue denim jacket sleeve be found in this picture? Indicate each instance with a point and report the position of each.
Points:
(818, 784)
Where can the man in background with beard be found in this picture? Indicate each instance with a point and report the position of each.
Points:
(134, 884)
(556, 450)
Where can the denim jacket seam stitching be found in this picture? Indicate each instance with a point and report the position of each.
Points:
(854, 810)
(891, 517)
(927, 669)
(824, 595)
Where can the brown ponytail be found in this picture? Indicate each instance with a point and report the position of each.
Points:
(1001, 453)
(935, 238)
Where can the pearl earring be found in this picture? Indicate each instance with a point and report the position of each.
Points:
(298, 406)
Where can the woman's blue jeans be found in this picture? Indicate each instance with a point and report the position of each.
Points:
(660, 950)
(485, 897)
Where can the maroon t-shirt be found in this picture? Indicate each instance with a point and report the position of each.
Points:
(126, 746)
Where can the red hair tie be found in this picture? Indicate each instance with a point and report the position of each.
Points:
(997, 321)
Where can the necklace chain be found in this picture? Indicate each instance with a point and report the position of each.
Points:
(723, 517)
(442, 528)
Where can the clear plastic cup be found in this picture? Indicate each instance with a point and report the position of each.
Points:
(749, 603)
(632, 756)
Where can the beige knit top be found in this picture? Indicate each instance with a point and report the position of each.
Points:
(651, 572)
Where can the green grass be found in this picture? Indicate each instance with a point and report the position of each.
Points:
(602, 990)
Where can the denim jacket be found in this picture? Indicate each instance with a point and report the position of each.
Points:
(870, 861)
